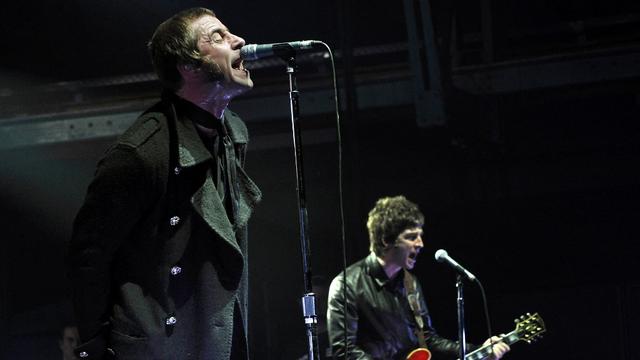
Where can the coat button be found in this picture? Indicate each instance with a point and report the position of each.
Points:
(175, 220)
(171, 320)
(84, 354)
(176, 270)
(177, 170)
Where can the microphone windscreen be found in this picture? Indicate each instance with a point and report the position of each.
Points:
(441, 254)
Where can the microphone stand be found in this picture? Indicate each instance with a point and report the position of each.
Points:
(308, 299)
(461, 332)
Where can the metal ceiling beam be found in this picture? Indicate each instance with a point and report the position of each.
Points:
(428, 88)
(391, 88)
(549, 72)
(58, 128)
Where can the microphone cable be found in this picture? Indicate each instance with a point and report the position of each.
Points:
(345, 286)
(486, 314)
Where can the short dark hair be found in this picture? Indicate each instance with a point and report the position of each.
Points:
(390, 217)
(175, 43)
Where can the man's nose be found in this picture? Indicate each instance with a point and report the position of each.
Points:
(236, 41)
(418, 243)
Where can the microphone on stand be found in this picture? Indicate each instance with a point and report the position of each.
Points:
(254, 51)
(442, 256)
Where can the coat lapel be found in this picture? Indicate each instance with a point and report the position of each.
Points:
(208, 205)
(206, 201)
(248, 197)
(249, 194)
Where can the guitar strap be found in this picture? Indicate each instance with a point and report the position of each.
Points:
(414, 304)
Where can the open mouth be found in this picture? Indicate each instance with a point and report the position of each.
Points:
(413, 256)
(238, 64)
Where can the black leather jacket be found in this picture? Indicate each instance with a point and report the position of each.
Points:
(380, 323)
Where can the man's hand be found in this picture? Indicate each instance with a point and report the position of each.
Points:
(499, 347)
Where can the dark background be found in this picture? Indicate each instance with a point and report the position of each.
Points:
(534, 186)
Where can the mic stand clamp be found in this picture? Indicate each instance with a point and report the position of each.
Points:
(287, 53)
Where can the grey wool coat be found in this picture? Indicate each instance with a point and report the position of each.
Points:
(158, 269)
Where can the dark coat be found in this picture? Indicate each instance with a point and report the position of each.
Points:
(158, 270)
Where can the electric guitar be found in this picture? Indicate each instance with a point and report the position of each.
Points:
(528, 328)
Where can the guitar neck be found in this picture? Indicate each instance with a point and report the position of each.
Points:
(485, 351)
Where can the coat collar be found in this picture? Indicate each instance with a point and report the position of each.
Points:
(376, 271)
(192, 152)
(191, 149)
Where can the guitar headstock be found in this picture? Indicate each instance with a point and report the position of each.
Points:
(529, 327)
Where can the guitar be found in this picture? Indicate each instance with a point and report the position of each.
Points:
(528, 329)
(419, 354)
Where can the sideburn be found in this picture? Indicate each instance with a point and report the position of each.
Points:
(211, 70)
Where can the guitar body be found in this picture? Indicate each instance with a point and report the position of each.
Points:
(419, 354)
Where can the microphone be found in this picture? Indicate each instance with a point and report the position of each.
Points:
(442, 256)
(255, 51)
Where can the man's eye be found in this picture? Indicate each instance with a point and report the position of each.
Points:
(216, 37)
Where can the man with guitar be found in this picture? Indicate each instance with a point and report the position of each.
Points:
(386, 315)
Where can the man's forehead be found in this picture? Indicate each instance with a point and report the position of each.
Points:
(414, 229)
(208, 24)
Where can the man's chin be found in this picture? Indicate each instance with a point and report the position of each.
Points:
(245, 83)
(241, 78)
(240, 87)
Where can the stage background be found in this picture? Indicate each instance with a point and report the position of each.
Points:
(531, 181)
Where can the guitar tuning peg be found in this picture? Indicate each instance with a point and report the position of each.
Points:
(516, 321)
(528, 314)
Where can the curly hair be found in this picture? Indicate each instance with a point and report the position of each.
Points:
(175, 43)
(390, 217)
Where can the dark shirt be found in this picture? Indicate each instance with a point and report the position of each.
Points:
(380, 324)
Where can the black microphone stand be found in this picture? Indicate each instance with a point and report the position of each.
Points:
(308, 299)
(461, 332)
